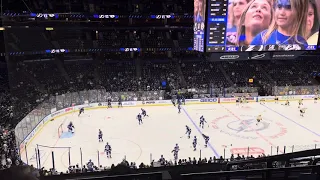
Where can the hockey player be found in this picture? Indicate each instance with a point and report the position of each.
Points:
(263, 101)
(316, 97)
(108, 149)
(175, 151)
(173, 102)
(71, 127)
(188, 132)
(202, 121)
(144, 112)
(179, 108)
(194, 143)
(276, 100)
(302, 111)
(183, 100)
(300, 103)
(90, 166)
(81, 110)
(206, 140)
(287, 103)
(238, 101)
(241, 100)
(100, 136)
(119, 102)
(259, 118)
(139, 117)
(109, 103)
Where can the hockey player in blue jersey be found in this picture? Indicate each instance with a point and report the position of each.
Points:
(179, 108)
(175, 151)
(173, 102)
(188, 131)
(144, 112)
(81, 111)
(206, 140)
(139, 117)
(119, 103)
(202, 121)
(194, 143)
(100, 136)
(108, 149)
(109, 103)
(71, 127)
(183, 100)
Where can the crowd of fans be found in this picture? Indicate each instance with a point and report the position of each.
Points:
(34, 81)
(8, 152)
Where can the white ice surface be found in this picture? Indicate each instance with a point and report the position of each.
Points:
(231, 129)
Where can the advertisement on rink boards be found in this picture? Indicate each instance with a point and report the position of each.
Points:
(250, 98)
(68, 109)
(148, 102)
(266, 98)
(290, 97)
(154, 102)
(57, 113)
(193, 100)
(308, 96)
(228, 99)
(209, 100)
(129, 103)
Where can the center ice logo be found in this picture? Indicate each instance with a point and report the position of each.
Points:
(247, 126)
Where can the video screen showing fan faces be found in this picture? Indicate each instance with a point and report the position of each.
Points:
(271, 25)
(199, 25)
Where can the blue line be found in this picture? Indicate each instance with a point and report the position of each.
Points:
(292, 121)
(199, 130)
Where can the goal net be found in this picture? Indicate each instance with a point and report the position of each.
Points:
(56, 157)
(60, 130)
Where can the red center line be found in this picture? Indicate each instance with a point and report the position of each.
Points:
(260, 135)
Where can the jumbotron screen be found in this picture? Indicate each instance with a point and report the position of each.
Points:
(259, 25)
(199, 25)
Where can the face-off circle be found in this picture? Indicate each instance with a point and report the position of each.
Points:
(247, 125)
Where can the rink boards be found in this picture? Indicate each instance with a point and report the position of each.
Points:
(57, 114)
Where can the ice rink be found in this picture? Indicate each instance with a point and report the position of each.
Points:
(231, 128)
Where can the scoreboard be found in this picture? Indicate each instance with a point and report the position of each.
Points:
(216, 25)
(216, 31)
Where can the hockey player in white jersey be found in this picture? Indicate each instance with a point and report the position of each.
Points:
(175, 151)
(194, 143)
(202, 121)
(108, 149)
(188, 132)
(100, 136)
(206, 140)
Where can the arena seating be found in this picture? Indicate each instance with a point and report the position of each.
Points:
(201, 74)
(35, 78)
